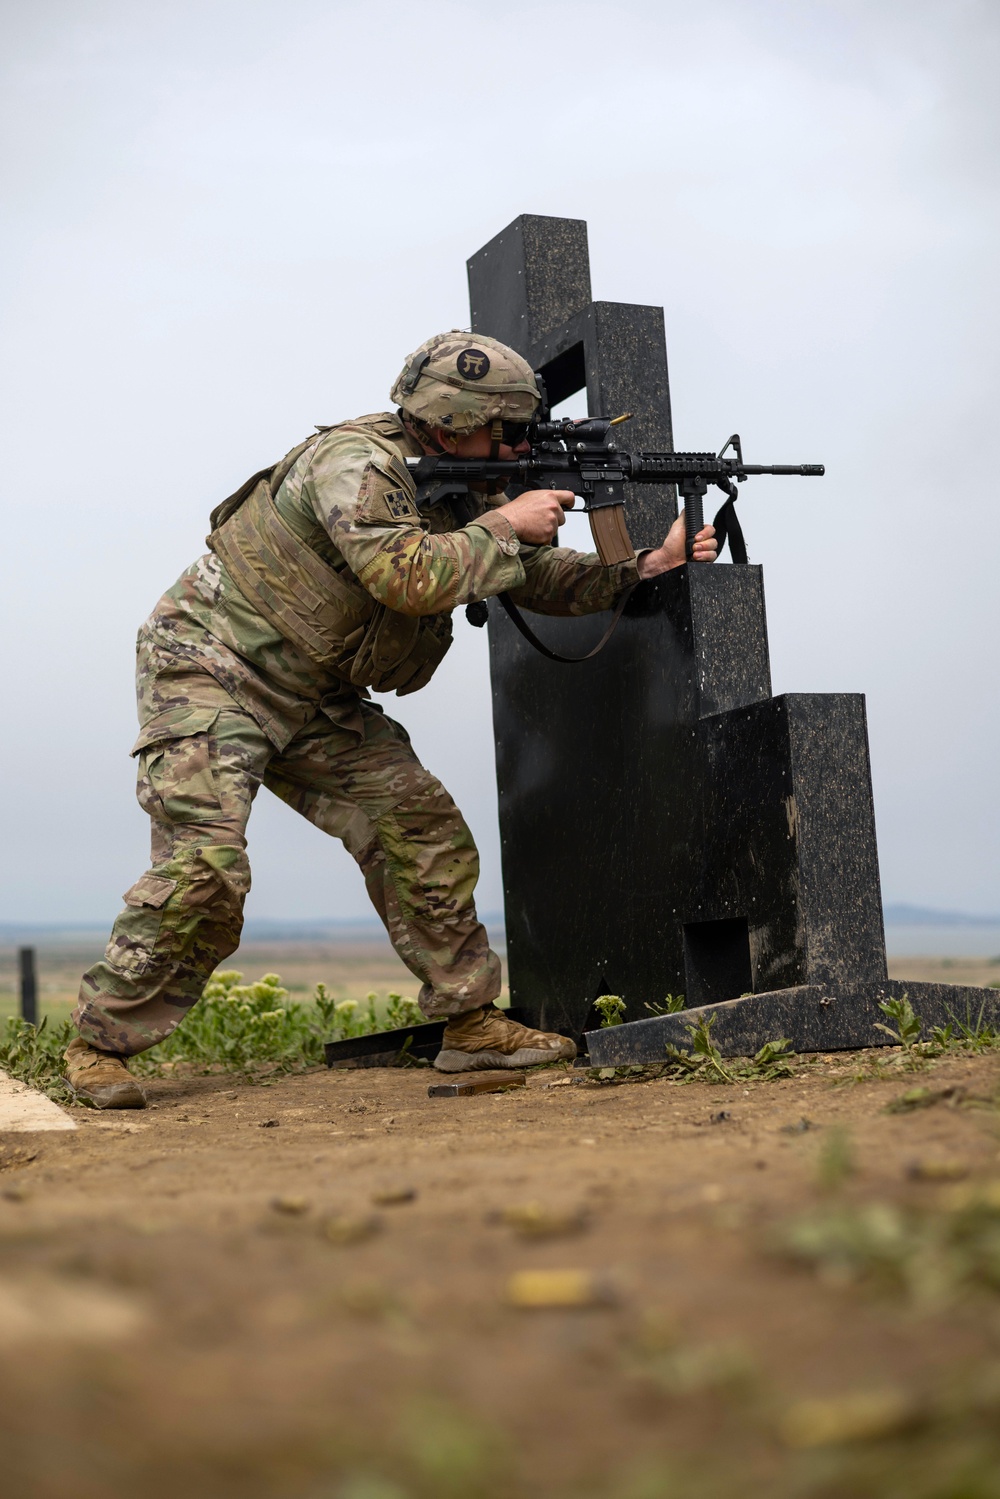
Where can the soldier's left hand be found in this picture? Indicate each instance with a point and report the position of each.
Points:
(673, 552)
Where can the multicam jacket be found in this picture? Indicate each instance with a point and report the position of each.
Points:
(336, 583)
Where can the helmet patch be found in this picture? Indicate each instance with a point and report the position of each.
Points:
(473, 364)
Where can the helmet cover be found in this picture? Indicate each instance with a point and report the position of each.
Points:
(463, 381)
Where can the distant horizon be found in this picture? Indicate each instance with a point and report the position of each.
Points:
(263, 928)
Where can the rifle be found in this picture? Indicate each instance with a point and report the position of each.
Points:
(579, 456)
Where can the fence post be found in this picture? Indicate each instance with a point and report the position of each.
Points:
(29, 985)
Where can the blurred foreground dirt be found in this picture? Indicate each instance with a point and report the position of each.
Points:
(301, 1289)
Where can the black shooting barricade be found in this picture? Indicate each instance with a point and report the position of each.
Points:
(667, 826)
(387, 1048)
(390, 1048)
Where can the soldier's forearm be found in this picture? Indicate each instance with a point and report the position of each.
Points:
(563, 582)
(418, 574)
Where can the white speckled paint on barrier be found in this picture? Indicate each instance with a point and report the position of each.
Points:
(24, 1108)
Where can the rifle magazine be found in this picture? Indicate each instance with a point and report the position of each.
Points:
(611, 538)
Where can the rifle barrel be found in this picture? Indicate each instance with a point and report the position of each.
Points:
(804, 470)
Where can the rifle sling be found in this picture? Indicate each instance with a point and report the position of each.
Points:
(521, 624)
(727, 523)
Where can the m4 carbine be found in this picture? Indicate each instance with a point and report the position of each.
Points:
(579, 456)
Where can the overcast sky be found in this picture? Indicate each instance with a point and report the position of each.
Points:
(228, 221)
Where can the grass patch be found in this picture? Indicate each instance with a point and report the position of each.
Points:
(33, 1054)
(966, 1035)
(836, 1161)
(256, 1028)
(930, 1255)
(704, 1063)
(249, 1029)
(920, 1046)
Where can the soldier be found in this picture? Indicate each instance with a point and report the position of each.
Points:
(325, 581)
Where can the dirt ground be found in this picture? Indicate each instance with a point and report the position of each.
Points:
(304, 1288)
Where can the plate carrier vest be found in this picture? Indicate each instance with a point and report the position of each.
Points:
(327, 614)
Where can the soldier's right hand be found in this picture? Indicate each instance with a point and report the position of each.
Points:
(537, 515)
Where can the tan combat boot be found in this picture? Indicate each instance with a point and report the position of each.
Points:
(101, 1079)
(486, 1038)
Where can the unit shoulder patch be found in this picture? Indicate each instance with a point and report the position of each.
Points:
(398, 503)
(382, 497)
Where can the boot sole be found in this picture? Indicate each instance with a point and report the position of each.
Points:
(121, 1096)
(478, 1061)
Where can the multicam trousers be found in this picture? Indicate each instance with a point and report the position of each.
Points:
(186, 913)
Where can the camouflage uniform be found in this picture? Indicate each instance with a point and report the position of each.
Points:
(239, 685)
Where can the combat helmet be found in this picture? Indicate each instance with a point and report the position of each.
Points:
(465, 380)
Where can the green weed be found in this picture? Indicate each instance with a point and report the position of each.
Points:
(836, 1161)
(693, 1368)
(401, 1012)
(973, 1034)
(633, 1072)
(926, 1098)
(452, 1452)
(970, 1034)
(34, 1055)
(250, 1028)
(908, 1024)
(672, 1003)
(932, 1256)
(704, 1059)
(704, 1062)
(775, 1059)
(611, 1009)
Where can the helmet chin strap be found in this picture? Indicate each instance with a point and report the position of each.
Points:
(424, 433)
(496, 434)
